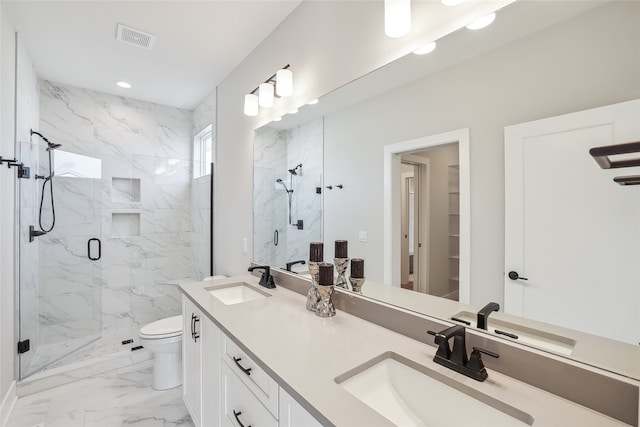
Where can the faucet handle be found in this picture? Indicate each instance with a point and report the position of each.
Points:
(475, 360)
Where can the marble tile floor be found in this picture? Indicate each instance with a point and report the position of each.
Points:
(122, 397)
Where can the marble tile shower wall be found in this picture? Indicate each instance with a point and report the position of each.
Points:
(277, 151)
(270, 199)
(143, 206)
(305, 146)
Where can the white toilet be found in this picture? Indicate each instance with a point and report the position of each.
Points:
(164, 338)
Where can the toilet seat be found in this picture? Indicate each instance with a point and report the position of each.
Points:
(163, 328)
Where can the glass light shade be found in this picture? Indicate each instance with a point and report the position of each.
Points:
(483, 22)
(397, 17)
(251, 104)
(265, 95)
(427, 48)
(284, 83)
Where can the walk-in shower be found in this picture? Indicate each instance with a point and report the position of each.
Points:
(130, 221)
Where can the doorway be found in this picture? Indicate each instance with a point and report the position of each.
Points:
(438, 169)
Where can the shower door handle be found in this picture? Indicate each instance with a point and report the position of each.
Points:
(93, 239)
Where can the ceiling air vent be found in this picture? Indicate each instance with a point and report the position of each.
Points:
(135, 37)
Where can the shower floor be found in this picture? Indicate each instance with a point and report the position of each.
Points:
(116, 398)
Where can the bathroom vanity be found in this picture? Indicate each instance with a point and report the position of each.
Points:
(255, 356)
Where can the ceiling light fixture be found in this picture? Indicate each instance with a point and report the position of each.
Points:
(427, 48)
(295, 110)
(483, 22)
(278, 85)
(123, 84)
(397, 18)
(313, 102)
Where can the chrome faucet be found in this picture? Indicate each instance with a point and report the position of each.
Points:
(292, 263)
(483, 314)
(456, 358)
(266, 279)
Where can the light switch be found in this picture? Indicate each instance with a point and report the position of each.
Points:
(245, 248)
(362, 236)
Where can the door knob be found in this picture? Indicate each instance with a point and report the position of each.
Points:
(513, 275)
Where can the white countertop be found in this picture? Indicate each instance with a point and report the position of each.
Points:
(305, 353)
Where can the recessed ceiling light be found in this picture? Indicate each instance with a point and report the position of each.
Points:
(452, 2)
(123, 85)
(483, 22)
(313, 102)
(427, 48)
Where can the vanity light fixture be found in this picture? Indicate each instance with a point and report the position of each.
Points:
(284, 82)
(427, 48)
(277, 86)
(397, 18)
(313, 102)
(265, 95)
(123, 84)
(483, 22)
(251, 104)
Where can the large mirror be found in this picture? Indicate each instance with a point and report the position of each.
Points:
(538, 60)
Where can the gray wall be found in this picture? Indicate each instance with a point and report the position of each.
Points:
(587, 62)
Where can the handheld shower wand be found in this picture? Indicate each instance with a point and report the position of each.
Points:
(47, 179)
(289, 195)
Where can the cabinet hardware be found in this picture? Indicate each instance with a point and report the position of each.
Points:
(245, 370)
(237, 415)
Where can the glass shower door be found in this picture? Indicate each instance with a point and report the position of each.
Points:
(60, 270)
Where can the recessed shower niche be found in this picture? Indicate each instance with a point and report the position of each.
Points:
(125, 190)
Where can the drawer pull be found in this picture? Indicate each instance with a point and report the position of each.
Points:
(194, 319)
(245, 370)
(237, 415)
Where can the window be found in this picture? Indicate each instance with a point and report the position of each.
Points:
(203, 152)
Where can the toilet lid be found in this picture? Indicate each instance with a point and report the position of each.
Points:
(171, 326)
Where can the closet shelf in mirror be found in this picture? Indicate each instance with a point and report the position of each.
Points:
(454, 257)
(454, 235)
(455, 278)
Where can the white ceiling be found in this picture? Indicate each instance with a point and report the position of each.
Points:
(198, 43)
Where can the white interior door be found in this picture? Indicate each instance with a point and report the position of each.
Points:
(569, 229)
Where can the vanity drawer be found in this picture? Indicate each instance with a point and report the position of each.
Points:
(239, 406)
(252, 375)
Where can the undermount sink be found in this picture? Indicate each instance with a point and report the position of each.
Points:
(522, 334)
(409, 394)
(236, 293)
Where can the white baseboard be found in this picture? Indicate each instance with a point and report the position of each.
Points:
(8, 402)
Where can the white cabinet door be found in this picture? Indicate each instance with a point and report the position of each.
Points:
(569, 229)
(239, 407)
(292, 414)
(191, 359)
(210, 336)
